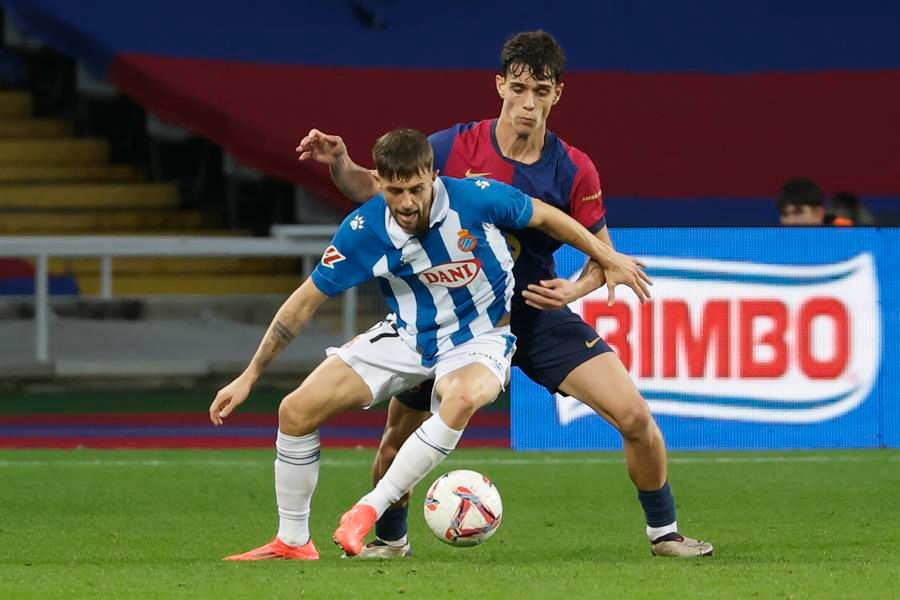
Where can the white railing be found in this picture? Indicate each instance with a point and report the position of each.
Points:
(306, 242)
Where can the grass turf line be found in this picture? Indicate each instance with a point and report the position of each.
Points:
(788, 525)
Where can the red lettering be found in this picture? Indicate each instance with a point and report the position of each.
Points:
(823, 308)
(593, 311)
(456, 274)
(749, 311)
(443, 277)
(431, 277)
(714, 324)
(646, 341)
(466, 268)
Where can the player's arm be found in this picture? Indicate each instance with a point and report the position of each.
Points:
(559, 292)
(289, 321)
(356, 182)
(617, 268)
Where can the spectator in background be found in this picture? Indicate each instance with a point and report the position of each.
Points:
(801, 202)
(847, 210)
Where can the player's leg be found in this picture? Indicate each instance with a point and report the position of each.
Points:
(603, 384)
(406, 413)
(483, 366)
(333, 387)
(561, 352)
(370, 368)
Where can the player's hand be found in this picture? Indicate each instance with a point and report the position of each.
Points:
(229, 397)
(321, 147)
(550, 294)
(625, 270)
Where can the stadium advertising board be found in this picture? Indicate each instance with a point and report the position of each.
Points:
(755, 339)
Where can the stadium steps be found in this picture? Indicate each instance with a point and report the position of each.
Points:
(54, 184)
(15, 104)
(56, 174)
(58, 151)
(34, 128)
(101, 222)
(88, 196)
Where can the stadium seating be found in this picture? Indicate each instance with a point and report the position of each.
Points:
(682, 135)
(54, 184)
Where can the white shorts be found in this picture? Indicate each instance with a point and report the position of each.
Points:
(389, 366)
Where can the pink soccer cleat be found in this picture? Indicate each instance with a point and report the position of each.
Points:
(278, 550)
(355, 525)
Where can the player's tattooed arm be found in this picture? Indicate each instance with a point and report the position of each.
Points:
(356, 182)
(289, 321)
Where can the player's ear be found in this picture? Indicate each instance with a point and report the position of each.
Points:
(557, 92)
(435, 173)
(500, 80)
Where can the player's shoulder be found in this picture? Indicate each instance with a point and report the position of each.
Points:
(366, 221)
(472, 127)
(478, 196)
(473, 188)
(579, 158)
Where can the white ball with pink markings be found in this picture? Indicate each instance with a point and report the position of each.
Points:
(463, 508)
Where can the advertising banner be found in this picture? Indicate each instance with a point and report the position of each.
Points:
(763, 338)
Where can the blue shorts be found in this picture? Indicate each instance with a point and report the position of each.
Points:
(550, 345)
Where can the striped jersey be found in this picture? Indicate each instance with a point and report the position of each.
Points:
(445, 285)
(563, 177)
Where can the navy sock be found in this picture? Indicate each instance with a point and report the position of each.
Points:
(659, 506)
(392, 524)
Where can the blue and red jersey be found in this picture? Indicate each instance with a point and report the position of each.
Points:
(563, 177)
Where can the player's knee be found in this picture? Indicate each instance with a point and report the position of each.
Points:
(461, 405)
(293, 420)
(636, 423)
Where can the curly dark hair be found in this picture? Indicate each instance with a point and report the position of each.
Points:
(537, 51)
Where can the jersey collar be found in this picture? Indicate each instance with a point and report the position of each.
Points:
(440, 206)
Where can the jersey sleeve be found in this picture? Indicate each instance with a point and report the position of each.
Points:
(586, 200)
(442, 144)
(348, 260)
(506, 206)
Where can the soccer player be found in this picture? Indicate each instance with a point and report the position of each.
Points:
(556, 348)
(446, 273)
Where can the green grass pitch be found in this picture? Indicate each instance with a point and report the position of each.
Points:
(157, 523)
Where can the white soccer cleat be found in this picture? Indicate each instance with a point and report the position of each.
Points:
(380, 550)
(675, 544)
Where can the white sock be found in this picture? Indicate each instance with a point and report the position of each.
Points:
(424, 450)
(655, 533)
(296, 475)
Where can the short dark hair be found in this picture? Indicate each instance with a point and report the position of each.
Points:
(536, 50)
(800, 191)
(402, 154)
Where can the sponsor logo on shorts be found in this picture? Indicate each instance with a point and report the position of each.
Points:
(739, 341)
(331, 256)
(453, 274)
(592, 343)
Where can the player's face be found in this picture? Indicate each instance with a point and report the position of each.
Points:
(409, 201)
(527, 101)
(802, 214)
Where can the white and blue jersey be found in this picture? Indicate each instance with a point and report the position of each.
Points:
(446, 285)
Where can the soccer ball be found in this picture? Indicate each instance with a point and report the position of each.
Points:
(463, 508)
